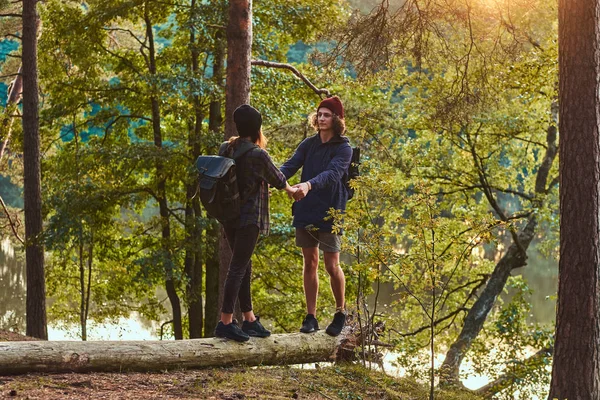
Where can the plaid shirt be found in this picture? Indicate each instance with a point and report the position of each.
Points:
(254, 170)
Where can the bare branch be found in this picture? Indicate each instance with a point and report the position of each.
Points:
(9, 75)
(423, 328)
(133, 35)
(10, 15)
(18, 56)
(294, 71)
(12, 35)
(11, 222)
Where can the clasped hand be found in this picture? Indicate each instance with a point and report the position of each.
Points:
(299, 191)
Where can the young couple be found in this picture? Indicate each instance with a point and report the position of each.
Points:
(324, 159)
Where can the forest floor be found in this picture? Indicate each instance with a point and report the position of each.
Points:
(350, 382)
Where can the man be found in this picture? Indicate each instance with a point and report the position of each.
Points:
(324, 159)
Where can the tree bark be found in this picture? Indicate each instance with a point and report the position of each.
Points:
(237, 91)
(36, 325)
(160, 355)
(576, 366)
(193, 212)
(239, 51)
(215, 121)
(212, 290)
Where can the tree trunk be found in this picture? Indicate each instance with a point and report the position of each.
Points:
(514, 258)
(212, 290)
(239, 53)
(161, 355)
(215, 121)
(576, 366)
(193, 212)
(170, 281)
(237, 91)
(34, 251)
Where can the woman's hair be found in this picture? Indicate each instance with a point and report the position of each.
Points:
(257, 138)
(339, 125)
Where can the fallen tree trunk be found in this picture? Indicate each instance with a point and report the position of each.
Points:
(160, 355)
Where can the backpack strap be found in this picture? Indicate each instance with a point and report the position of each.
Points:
(244, 196)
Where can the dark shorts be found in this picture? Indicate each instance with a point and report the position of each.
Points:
(328, 242)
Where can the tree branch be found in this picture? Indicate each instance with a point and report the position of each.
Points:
(516, 373)
(9, 75)
(133, 35)
(10, 15)
(10, 222)
(12, 35)
(271, 64)
(421, 329)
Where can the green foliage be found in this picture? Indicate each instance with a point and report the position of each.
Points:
(455, 138)
(453, 125)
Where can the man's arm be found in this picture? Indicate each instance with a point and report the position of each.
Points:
(291, 166)
(335, 169)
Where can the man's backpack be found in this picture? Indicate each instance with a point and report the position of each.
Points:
(353, 171)
(219, 192)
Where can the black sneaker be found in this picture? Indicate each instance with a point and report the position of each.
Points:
(231, 331)
(255, 328)
(310, 324)
(336, 326)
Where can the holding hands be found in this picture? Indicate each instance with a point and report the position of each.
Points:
(302, 190)
(290, 190)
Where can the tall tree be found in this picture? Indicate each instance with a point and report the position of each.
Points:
(171, 277)
(34, 251)
(576, 368)
(239, 53)
(215, 122)
(193, 211)
(237, 88)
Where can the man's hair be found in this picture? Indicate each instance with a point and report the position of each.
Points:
(339, 125)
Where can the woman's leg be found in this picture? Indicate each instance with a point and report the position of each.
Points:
(245, 297)
(242, 243)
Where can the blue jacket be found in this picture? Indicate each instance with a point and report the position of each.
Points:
(325, 166)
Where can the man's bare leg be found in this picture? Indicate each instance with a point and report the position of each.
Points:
(336, 278)
(311, 278)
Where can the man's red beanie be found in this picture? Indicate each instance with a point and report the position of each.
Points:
(334, 104)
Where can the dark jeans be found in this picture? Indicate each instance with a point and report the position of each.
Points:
(242, 242)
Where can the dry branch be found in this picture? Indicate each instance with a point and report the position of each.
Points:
(271, 64)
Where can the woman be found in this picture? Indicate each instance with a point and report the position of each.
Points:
(254, 171)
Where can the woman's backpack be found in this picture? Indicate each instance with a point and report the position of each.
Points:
(219, 192)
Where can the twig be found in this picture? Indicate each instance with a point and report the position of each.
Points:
(9, 75)
(271, 64)
(162, 327)
(12, 35)
(10, 221)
